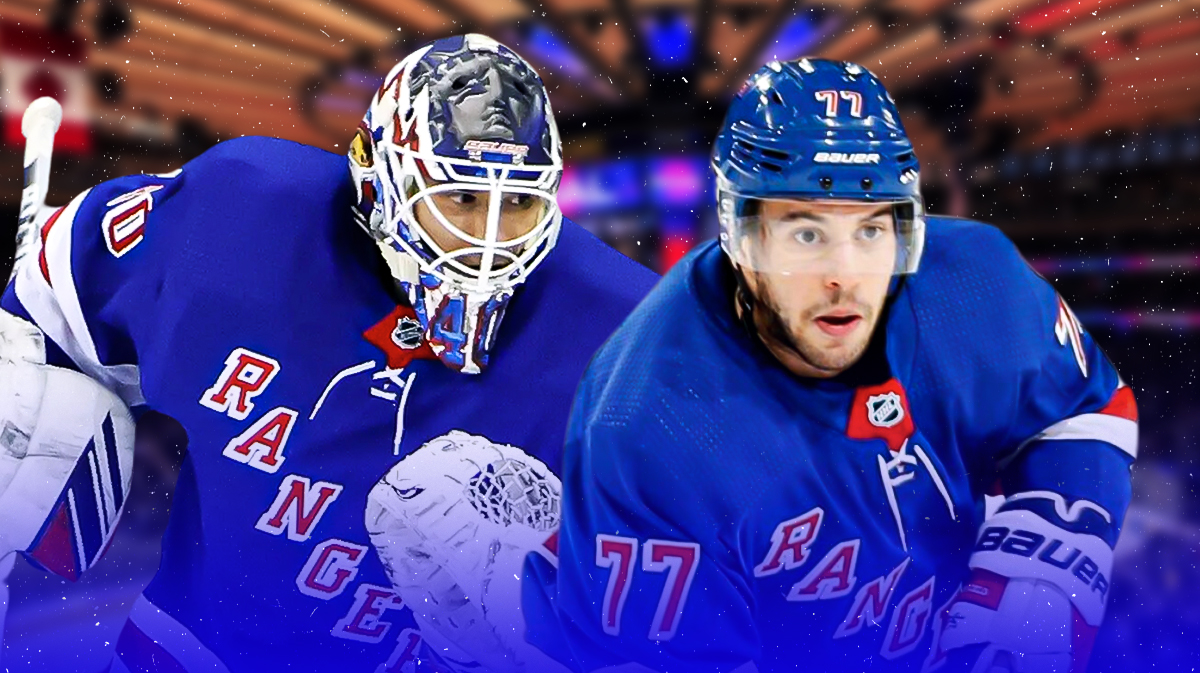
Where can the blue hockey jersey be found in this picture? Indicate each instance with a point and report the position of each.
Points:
(238, 297)
(720, 511)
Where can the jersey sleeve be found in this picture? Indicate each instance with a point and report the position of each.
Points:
(1067, 431)
(1074, 435)
(643, 575)
(85, 278)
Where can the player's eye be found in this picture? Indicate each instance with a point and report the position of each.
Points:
(519, 201)
(463, 198)
(872, 232)
(807, 236)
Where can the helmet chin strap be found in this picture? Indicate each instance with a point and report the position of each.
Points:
(747, 303)
(744, 299)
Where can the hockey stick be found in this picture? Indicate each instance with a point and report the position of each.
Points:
(38, 125)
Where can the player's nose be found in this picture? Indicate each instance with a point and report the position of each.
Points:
(842, 266)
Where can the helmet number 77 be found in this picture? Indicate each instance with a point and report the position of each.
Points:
(830, 98)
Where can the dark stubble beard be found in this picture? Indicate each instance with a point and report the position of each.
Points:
(769, 319)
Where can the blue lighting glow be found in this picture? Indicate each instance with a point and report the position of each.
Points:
(797, 35)
(669, 39)
(545, 47)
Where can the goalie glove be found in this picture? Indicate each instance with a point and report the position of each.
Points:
(452, 523)
(66, 456)
(1033, 604)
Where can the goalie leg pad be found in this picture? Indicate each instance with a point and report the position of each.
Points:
(66, 464)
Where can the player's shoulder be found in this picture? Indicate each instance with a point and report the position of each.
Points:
(975, 269)
(271, 164)
(252, 174)
(595, 263)
(587, 278)
(674, 402)
(220, 183)
(675, 350)
(635, 343)
(957, 245)
(249, 164)
(248, 194)
(980, 310)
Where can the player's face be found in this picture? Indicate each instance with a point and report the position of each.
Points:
(467, 211)
(830, 266)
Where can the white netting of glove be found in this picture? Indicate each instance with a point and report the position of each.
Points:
(452, 523)
(511, 491)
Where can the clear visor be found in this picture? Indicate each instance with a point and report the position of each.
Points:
(803, 236)
(484, 231)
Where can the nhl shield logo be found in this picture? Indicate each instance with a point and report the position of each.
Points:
(885, 411)
(407, 334)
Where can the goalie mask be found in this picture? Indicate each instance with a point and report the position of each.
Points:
(457, 164)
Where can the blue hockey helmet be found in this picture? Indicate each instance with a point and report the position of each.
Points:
(816, 129)
(462, 119)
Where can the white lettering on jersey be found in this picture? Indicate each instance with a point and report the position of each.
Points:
(909, 621)
(871, 602)
(790, 543)
(404, 654)
(124, 225)
(298, 507)
(679, 560)
(833, 577)
(1068, 331)
(362, 622)
(617, 554)
(246, 376)
(332, 565)
(261, 445)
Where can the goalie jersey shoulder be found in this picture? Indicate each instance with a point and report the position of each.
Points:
(104, 269)
(233, 201)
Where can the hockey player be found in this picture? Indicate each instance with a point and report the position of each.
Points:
(352, 417)
(778, 462)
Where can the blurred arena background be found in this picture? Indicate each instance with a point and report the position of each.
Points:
(1070, 124)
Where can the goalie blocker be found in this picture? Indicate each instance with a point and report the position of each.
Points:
(66, 457)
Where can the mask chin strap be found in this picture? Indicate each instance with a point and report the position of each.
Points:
(425, 301)
(403, 267)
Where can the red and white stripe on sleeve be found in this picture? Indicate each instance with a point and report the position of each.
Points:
(46, 286)
(1115, 424)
